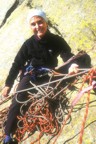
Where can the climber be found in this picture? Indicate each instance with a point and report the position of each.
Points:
(40, 50)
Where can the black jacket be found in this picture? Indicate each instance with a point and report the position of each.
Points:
(42, 52)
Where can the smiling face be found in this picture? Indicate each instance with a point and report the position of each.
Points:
(38, 26)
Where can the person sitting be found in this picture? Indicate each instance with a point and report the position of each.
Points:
(40, 50)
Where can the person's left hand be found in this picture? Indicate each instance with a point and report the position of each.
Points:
(73, 69)
(5, 91)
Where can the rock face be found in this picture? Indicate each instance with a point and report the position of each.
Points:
(76, 22)
(73, 20)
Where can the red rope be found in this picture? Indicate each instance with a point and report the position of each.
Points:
(91, 73)
(40, 116)
(45, 121)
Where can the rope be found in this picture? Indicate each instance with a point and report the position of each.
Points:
(41, 116)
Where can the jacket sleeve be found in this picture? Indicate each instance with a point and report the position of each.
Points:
(84, 61)
(19, 61)
(65, 50)
(65, 54)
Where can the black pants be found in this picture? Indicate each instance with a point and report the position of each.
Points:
(14, 110)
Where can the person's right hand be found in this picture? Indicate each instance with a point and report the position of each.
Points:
(5, 91)
(73, 69)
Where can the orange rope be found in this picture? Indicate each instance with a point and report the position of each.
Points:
(87, 107)
(44, 120)
(64, 123)
(39, 116)
(84, 120)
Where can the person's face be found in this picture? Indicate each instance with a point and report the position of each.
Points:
(38, 26)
